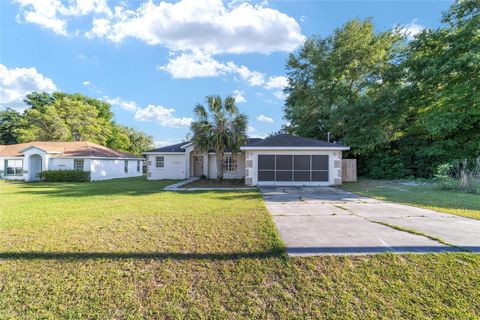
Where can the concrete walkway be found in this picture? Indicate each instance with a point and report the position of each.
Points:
(178, 187)
(321, 221)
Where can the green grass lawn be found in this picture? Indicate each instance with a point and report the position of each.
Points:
(425, 196)
(125, 249)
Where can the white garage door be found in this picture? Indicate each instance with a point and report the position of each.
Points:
(294, 169)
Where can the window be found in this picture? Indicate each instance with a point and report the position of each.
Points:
(138, 165)
(78, 164)
(13, 167)
(230, 164)
(125, 166)
(160, 162)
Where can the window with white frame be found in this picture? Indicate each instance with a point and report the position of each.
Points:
(78, 164)
(125, 166)
(13, 167)
(138, 165)
(230, 164)
(159, 162)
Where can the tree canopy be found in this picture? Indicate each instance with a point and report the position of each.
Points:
(69, 117)
(403, 106)
(220, 128)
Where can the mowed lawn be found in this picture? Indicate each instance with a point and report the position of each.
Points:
(425, 196)
(125, 249)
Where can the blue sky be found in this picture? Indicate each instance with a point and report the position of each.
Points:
(154, 61)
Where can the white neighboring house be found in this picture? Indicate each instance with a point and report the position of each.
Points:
(25, 161)
(280, 160)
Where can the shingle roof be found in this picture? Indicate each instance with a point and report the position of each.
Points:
(286, 140)
(177, 147)
(171, 148)
(65, 149)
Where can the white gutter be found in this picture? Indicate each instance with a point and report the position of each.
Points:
(293, 148)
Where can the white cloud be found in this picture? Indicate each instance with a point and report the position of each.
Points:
(277, 82)
(18, 82)
(197, 64)
(280, 95)
(86, 83)
(206, 25)
(100, 28)
(53, 14)
(124, 104)
(411, 30)
(264, 118)
(81, 56)
(239, 96)
(252, 133)
(164, 116)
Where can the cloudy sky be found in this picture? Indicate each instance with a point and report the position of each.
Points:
(154, 60)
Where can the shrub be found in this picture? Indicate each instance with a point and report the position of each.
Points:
(383, 166)
(64, 176)
(457, 175)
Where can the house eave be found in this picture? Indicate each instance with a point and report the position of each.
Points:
(245, 148)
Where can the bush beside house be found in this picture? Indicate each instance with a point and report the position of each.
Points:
(64, 176)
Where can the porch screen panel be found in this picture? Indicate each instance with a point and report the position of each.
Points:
(320, 168)
(284, 168)
(266, 167)
(301, 167)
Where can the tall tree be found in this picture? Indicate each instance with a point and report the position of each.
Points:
(443, 91)
(9, 125)
(67, 118)
(129, 140)
(220, 128)
(333, 81)
(70, 117)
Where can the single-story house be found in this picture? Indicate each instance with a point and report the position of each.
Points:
(25, 161)
(280, 160)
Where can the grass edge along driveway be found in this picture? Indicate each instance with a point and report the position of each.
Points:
(424, 196)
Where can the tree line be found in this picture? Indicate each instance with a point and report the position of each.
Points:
(69, 117)
(404, 106)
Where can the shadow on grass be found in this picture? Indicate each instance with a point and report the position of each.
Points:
(35, 255)
(129, 186)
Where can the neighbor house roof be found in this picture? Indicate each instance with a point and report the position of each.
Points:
(64, 149)
(290, 141)
(174, 148)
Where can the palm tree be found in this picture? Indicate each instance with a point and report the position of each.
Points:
(222, 128)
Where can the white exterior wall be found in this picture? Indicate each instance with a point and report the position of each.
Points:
(61, 164)
(174, 167)
(104, 169)
(239, 174)
(334, 168)
(100, 169)
(26, 161)
(3, 169)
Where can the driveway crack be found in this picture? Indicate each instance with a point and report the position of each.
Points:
(400, 228)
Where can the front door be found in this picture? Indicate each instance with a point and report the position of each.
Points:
(198, 166)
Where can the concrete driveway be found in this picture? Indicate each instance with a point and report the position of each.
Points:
(321, 221)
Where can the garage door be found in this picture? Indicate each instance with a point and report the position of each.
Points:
(293, 168)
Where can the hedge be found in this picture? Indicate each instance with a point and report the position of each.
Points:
(64, 176)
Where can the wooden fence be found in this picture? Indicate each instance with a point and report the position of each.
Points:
(349, 170)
